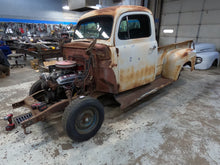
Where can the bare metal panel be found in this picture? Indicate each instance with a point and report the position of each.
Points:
(166, 40)
(171, 7)
(170, 19)
(190, 18)
(210, 31)
(212, 5)
(211, 17)
(187, 31)
(189, 5)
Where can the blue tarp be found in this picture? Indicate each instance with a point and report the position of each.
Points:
(35, 21)
(3, 59)
(5, 49)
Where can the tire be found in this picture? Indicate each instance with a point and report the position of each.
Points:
(215, 63)
(8, 72)
(83, 118)
(35, 87)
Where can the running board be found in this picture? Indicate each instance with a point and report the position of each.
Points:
(132, 96)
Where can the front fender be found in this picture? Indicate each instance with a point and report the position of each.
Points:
(174, 61)
(208, 59)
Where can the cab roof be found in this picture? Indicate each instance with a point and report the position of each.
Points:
(115, 11)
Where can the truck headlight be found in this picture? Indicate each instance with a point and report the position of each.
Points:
(198, 60)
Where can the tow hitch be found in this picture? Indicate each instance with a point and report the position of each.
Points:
(38, 111)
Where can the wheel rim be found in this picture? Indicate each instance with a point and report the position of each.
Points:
(87, 120)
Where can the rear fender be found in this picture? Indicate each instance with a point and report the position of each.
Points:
(174, 61)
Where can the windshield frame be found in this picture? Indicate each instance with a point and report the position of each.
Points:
(90, 19)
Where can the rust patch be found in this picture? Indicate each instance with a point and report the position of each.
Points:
(105, 80)
(166, 51)
(132, 79)
(39, 116)
(114, 59)
(115, 11)
(104, 76)
(130, 97)
(105, 11)
(193, 61)
(185, 44)
(177, 72)
(161, 55)
(183, 52)
(174, 60)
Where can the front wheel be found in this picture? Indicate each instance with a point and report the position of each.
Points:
(35, 87)
(83, 118)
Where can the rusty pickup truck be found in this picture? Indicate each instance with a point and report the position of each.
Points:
(114, 53)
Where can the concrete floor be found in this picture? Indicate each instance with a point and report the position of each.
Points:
(180, 124)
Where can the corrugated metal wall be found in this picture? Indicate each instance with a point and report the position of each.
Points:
(191, 19)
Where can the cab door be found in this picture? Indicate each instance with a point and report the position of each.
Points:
(137, 50)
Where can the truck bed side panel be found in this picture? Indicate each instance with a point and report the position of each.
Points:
(164, 50)
(174, 61)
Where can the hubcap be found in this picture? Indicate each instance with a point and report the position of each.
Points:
(87, 120)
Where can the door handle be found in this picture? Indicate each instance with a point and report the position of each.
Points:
(154, 47)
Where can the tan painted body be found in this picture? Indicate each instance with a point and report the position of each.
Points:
(171, 59)
(130, 63)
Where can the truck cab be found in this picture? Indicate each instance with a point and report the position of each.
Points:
(137, 48)
(126, 48)
(128, 34)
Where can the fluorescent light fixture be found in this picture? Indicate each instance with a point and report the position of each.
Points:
(96, 7)
(169, 31)
(105, 35)
(79, 34)
(66, 7)
(99, 29)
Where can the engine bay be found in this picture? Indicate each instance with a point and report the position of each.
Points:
(60, 80)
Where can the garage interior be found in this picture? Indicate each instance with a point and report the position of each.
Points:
(179, 124)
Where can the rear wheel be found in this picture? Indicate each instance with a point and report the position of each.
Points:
(82, 118)
(35, 87)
